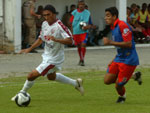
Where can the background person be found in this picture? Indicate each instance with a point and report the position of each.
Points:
(29, 16)
(79, 33)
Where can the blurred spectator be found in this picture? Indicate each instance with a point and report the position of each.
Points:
(143, 15)
(29, 16)
(39, 22)
(147, 29)
(129, 16)
(92, 31)
(67, 15)
(134, 13)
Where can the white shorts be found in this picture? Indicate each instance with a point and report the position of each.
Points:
(46, 68)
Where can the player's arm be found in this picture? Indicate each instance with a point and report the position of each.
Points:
(119, 44)
(89, 26)
(33, 13)
(126, 35)
(37, 43)
(67, 41)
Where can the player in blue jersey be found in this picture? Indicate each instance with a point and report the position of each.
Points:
(121, 68)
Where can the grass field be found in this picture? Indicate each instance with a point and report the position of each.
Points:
(52, 97)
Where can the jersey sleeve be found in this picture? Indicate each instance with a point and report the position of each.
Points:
(65, 32)
(125, 32)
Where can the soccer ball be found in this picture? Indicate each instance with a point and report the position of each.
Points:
(23, 99)
(82, 24)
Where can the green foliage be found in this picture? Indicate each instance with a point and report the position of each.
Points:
(53, 97)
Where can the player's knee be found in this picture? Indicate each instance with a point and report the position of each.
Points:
(51, 76)
(32, 76)
(106, 82)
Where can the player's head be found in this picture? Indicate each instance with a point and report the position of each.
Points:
(81, 5)
(111, 14)
(49, 13)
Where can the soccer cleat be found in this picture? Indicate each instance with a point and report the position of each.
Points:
(81, 63)
(138, 77)
(121, 100)
(14, 97)
(80, 86)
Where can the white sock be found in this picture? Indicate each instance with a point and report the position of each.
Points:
(64, 79)
(27, 85)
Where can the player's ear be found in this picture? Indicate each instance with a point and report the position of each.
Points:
(114, 17)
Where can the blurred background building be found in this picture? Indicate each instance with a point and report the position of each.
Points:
(10, 16)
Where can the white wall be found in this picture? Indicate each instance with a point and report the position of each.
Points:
(1, 11)
(13, 22)
(121, 5)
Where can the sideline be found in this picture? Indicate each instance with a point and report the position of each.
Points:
(95, 47)
(106, 47)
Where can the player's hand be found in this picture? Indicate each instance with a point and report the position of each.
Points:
(51, 38)
(106, 41)
(86, 27)
(25, 51)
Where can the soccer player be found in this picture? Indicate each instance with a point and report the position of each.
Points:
(55, 35)
(80, 33)
(121, 68)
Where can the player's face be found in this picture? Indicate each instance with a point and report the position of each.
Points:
(109, 19)
(49, 16)
(81, 6)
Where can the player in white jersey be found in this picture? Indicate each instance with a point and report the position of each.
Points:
(55, 35)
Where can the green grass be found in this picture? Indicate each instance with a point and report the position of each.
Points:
(52, 97)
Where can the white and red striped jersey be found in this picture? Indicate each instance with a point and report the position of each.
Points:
(54, 51)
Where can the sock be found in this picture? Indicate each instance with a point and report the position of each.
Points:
(80, 53)
(64, 79)
(122, 92)
(83, 49)
(27, 85)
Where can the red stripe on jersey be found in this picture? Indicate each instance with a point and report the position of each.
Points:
(125, 31)
(64, 28)
(47, 69)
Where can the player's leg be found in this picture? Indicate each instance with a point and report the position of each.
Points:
(111, 75)
(79, 39)
(121, 92)
(66, 80)
(110, 78)
(124, 75)
(77, 42)
(29, 82)
(80, 53)
(83, 48)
